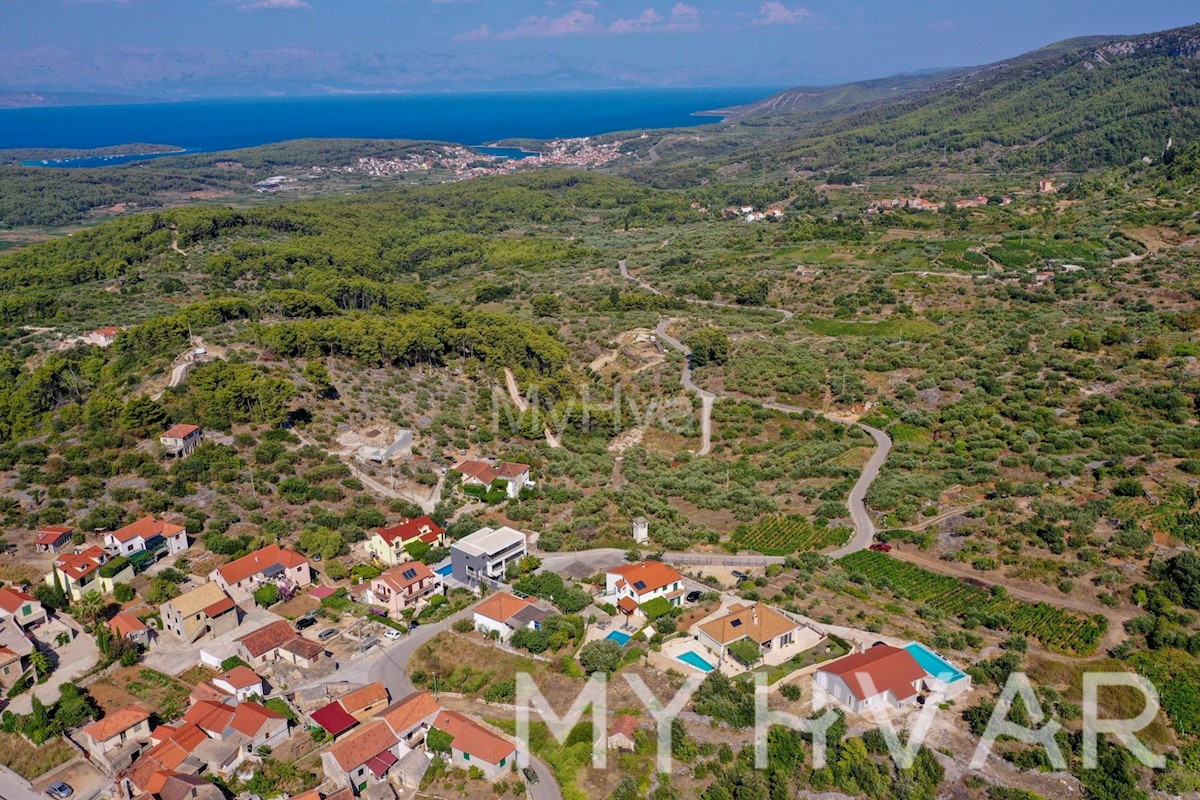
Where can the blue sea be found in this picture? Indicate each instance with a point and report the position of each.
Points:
(466, 118)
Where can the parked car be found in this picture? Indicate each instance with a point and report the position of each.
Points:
(880, 547)
(741, 576)
(412, 624)
(328, 633)
(693, 596)
(392, 633)
(60, 790)
(305, 622)
(530, 774)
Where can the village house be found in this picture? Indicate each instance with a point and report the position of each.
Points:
(127, 626)
(388, 544)
(365, 701)
(485, 555)
(248, 725)
(488, 474)
(410, 717)
(1046, 186)
(621, 734)
(770, 631)
(171, 753)
(16, 650)
(475, 746)
(85, 571)
(22, 607)
(504, 613)
(285, 568)
(53, 538)
(205, 611)
(278, 641)
(362, 758)
(101, 337)
(402, 587)
(629, 586)
(147, 533)
(179, 440)
(116, 739)
(241, 683)
(884, 675)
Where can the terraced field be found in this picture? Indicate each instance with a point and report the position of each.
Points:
(1056, 629)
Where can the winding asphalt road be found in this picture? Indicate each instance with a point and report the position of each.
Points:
(864, 527)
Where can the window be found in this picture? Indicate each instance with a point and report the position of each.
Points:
(502, 761)
(466, 756)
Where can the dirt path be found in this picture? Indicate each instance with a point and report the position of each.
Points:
(427, 504)
(514, 393)
(864, 526)
(188, 359)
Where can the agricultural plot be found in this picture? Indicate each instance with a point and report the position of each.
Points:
(783, 536)
(1056, 629)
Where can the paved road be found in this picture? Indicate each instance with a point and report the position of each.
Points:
(14, 787)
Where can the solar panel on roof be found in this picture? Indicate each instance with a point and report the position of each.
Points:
(640, 585)
(408, 574)
(735, 623)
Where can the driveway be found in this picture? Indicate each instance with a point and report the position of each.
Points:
(73, 660)
(14, 787)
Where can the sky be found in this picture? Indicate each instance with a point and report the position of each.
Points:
(799, 41)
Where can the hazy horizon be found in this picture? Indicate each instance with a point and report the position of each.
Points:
(180, 48)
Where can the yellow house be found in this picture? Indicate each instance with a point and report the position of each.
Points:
(388, 544)
(80, 573)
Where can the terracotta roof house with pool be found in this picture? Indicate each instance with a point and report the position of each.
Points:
(504, 613)
(629, 586)
(768, 634)
(893, 676)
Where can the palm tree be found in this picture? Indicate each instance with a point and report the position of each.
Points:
(90, 607)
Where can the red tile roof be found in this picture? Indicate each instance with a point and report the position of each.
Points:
(116, 722)
(220, 607)
(422, 528)
(146, 528)
(396, 580)
(80, 565)
(882, 668)
(359, 748)
(501, 606)
(473, 739)
(12, 599)
(407, 712)
(250, 718)
(625, 726)
(124, 624)
(627, 604)
(180, 431)
(240, 677)
(268, 637)
(108, 330)
(210, 716)
(651, 575)
(485, 473)
(50, 535)
(362, 697)
(258, 561)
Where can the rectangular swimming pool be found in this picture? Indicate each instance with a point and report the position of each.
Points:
(446, 570)
(619, 637)
(934, 664)
(696, 660)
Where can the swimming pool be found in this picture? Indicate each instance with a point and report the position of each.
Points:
(619, 637)
(446, 570)
(696, 660)
(934, 664)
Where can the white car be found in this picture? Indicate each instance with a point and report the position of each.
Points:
(392, 633)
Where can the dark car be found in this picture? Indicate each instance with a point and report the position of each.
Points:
(880, 547)
(741, 576)
(530, 774)
(305, 622)
(693, 596)
(412, 624)
(328, 633)
(60, 790)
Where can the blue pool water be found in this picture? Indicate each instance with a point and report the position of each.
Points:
(934, 664)
(618, 637)
(446, 570)
(696, 660)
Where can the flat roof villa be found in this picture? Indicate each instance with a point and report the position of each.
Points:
(485, 554)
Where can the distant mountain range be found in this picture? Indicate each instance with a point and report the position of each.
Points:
(1077, 104)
